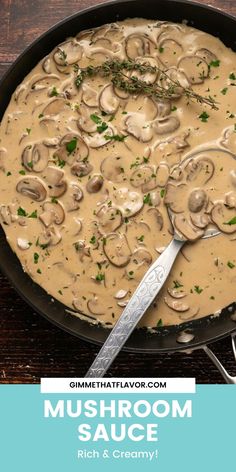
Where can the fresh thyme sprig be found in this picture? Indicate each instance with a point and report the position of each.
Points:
(134, 85)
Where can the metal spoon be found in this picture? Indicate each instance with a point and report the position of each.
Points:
(148, 288)
(142, 298)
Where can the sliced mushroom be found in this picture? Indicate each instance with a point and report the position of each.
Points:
(207, 55)
(58, 190)
(148, 77)
(176, 293)
(174, 197)
(95, 184)
(221, 215)
(90, 96)
(171, 51)
(54, 107)
(141, 256)
(112, 168)
(155, 198)
(157, 218)
(166, 125)
(51, 236)
(146, 106)
(176, 77)
(229, 139)
(230, 199)
(46, 65)
(81, 168)
(98, 140)
(35, 158)
(136, 126)
(23, 243)
(176, 305)
(186, 229)
(117, 250)
(233, 177)
(74, 196)
(137, 45)
(120, 294)
(54, 175)
(197, 200)
(42, 82)
(109, 219)
(6, 214)
(190, 314)
(80, 152)
(3, 155)
(51, 142)
(33, 188)
(199, 171)
(82, 250)
(162, 174)
(108, 101)
(52, 213)
(201, 220)
(68, 52)
(95, 306)
(142, 175)
(195, 68)
(163, 108)
(128, 202)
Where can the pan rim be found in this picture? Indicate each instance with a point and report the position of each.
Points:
(89, 338)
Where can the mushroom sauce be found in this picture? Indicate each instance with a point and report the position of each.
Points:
(87, 173)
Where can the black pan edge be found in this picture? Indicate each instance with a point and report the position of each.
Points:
(204, 17)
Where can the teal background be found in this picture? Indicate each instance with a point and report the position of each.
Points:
(31, 443)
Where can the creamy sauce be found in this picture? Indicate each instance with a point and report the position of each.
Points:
(87, 173)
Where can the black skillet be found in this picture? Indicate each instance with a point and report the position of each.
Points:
(206, 18)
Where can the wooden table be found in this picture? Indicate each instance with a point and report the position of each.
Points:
(31, 347)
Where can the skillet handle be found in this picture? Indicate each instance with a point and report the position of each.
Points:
(228, 378)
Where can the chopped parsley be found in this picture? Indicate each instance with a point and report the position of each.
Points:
(22, 172)
(33, 214)
(161, 49)
(231, 222)
(93, 240)
(174, 108)
(99, 277)
(28, 130)
(141, 238)
(204, 117)
(8, 173)
(198, 289)
(162, 192)
(115, 137)
(54, 200)
(21, 212)
(130, 274)
(36, 257)
(95, 118)
(147, 199)
(39, 271)
(224, 91)
(54, 92)
(71, 146)
(61, 163)
(230, 264)
(177, 284)
(215, 63)
(232, 76)
(159, 323)
(102, 127)
(40, 115)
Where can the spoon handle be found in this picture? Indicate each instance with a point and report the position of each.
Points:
(142, 298)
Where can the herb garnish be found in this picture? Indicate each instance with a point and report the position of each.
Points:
(159, 323)
(230, 264)
(224, 90)
(99, 277)
(93, 240)
(36, 257)
(162, 192)
(215, 63)
(177, 284)
(141, 238)
(71, 146)
(147, 199)
(204, 117)
(198, 289)
(231, 222)
(21, 212)
(117, 71)
(54, 92)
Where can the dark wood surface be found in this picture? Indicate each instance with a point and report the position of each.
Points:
(30, 347)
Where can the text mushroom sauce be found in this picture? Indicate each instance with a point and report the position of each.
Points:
(90, 151)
